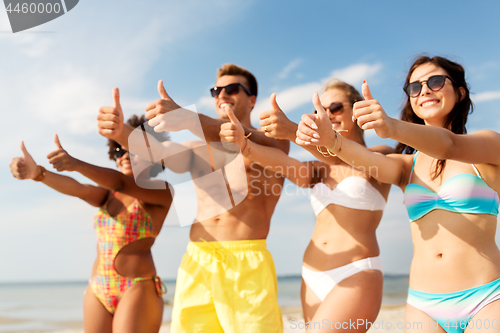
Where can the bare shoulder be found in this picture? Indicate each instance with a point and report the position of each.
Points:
(487, 133)
(383, 149)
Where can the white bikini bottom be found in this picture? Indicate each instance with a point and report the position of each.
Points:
(322, 282)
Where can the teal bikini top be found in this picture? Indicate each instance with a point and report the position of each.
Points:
(462, 193)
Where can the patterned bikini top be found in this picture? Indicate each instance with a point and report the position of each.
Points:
(462, 193)
(116, 232)
(352, 192)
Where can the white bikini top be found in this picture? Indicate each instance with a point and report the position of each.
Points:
(352, 192)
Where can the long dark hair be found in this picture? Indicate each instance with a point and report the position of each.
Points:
(457, 118)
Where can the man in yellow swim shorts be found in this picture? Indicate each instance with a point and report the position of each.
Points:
(227, 280)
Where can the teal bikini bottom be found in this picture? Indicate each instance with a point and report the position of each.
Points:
(453, 311)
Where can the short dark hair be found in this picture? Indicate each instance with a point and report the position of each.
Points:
(135, 122)
(232, 69)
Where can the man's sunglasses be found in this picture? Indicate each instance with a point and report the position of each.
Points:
(434, 83)
(335, 108)
(119, 152)
(231, 89)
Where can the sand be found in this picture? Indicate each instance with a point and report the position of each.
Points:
(387, 321)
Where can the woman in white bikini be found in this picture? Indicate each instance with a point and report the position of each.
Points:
(342, 273)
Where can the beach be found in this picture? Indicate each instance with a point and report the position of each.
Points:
(390, 316)
(57, 307)
(292, 321)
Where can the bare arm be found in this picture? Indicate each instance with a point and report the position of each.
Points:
(268, 157)
(166, 115)
(108, 178)
(110, 125)
(26, 168)
(278, 126)
(93, 195)
(477, 148)
(391, 169)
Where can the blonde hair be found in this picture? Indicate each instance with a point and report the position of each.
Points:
(352, 95)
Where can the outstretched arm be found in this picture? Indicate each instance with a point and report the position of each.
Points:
(166, 115)
(268, 157)
(108, 178)
(391, 169)
(277, 125)
(110, 125)
(477, 148)
(25, 168)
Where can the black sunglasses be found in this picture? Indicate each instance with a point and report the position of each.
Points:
(119, 152)
(335, 108)
(434, 83)
(231, 89)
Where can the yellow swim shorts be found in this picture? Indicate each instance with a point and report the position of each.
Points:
(227, 287)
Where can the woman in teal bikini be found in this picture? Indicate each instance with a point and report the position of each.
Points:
(451, 190)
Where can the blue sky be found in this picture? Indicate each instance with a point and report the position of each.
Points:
(54, 78)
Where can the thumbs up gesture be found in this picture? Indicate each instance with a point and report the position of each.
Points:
(232, 131)
(166, 115)
(315, 128)
(370, 114)
(60, 159)
(110, 118)
(276, 124)
(24, 167)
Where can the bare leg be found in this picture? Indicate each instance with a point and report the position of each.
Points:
(140, 310)
(96, 319)
(417, 321)
(487, 319)
(310, 302)
(351, 305)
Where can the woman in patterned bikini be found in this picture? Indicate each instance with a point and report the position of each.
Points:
(124, 293)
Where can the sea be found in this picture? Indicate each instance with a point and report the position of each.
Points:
(57, 306)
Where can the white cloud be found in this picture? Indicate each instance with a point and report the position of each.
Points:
(355, 74)
(288, 99)
(205, 104)
(370, 134)
(4, 22)
(486, 96)
(56, 82)
(289, 68)
(31, 45)
(297, 96)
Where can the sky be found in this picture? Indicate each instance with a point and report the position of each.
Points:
(54, 78)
